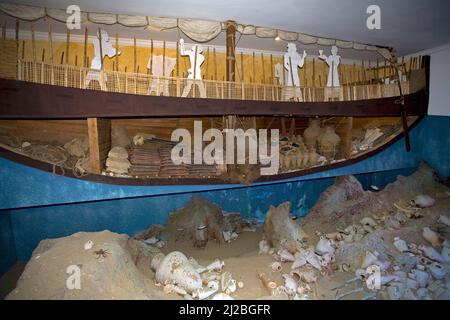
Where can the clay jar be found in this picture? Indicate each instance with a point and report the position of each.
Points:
(328, 142)
(311, 133)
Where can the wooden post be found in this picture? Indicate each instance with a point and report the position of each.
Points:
(99, 133)
(33, 41)
(134, 55)
(242, 67)
(117, 56)
(68, 46)
(85, 57)
(164, 59)
(345, 132)
(50, 40)
(17, 35)
(230, 51)
(263, 69)
(101, 47)
(178, 63)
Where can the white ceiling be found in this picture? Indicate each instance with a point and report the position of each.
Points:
(407, 25)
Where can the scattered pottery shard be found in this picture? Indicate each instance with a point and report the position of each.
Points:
(431, 236)
(423, 201)
(175, 268)
(281, 231)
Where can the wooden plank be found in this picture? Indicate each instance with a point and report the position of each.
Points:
(99, 130)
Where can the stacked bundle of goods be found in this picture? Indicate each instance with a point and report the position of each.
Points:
(203, 170)
(168, 168)
(117, 161)
(145, 160)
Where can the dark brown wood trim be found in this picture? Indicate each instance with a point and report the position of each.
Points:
(10, 155)
(26, 100)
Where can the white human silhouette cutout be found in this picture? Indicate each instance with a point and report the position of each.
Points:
(297, 60)
(333, 62)
(157, 71)
(194, 72)
(107, 50)
(96, 74)
(292, 61)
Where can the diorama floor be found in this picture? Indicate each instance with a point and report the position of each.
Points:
(363, 227)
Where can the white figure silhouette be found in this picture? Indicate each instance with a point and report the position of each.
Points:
(292, 61)
(279, 74)
(157, 71)
(96, 73)
(194, 72)
(107, 50)
(292, 57)
(333, 62)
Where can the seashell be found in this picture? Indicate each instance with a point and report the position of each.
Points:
(264, 247)
(326, 259)
(325, 246)
(175, 268)
(151, 241)
(221, 296)
(156, 261)
(232, 286)
(213, 285)
(217, 265)
(444, 219)
(313, 260)
(240, 284)
(369, 259)
(368, 221)
(88, 245)
(431, 236)
(423, 201)
(445, 254)
(290, 284)
(203, 293)
(299, 262)
(431, 253)
(308, 276)
(438, 271)
(160, 244)
(400, 244)
(225, 280)
(26, 144)
(276, 266)
(348, 238)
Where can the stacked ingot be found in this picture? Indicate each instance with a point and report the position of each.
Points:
(168, 168)
(117, 161)
(145, 160)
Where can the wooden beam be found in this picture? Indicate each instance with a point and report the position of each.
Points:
(231, 54)
(99, 133)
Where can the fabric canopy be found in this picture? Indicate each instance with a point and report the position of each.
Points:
(197, 30)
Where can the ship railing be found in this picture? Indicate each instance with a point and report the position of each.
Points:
(146, 84)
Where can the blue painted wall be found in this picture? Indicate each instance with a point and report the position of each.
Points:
(36, 205)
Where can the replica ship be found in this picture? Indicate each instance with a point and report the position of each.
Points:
(92, 109)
